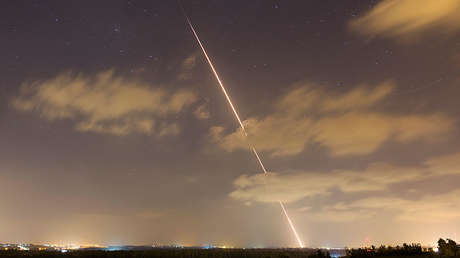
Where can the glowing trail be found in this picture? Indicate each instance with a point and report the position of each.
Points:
(258, 159)
(239, 120)
(215, 73)
(291, 224)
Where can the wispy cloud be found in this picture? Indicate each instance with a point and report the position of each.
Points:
(187, 66)
(346, 124)
(406, 18)
(202, 112)
(105, 103)
(294, 186)
(427, 209)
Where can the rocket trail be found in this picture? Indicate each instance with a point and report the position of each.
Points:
(291, 225)
(215, 73)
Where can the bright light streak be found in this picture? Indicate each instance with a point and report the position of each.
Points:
(215, 73)
(239, 120)
(291, 225)
(258, 159)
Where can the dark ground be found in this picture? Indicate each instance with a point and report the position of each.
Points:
(191, 253)
(165, 253)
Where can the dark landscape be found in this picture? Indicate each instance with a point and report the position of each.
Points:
(445, 249)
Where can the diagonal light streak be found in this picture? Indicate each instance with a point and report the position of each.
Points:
(239, 120)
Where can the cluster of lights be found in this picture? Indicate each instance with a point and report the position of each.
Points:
(45, 247)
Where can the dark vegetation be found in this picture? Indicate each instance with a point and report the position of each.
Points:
(447, 249)
(389, 251)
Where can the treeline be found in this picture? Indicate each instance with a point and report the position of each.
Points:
(388, 251)
(446, 249)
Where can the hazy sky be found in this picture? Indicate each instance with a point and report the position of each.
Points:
(113, 130)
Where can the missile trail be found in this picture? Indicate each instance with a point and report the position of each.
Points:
(291, 224)
(215, 73)
(239, 119)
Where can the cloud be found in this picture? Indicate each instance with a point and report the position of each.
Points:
(169, 129)
(186, 67)
(202, 112)
(364, 132)
(105, 103)
(330, 214)
(189, 62)
(430, 208)
(346, 124)
(294, 186)
(405, 18)
(445, 165)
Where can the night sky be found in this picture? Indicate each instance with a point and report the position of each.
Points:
(113, 129)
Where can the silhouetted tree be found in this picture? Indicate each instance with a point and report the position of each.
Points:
(384, 251)
(448, 248)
